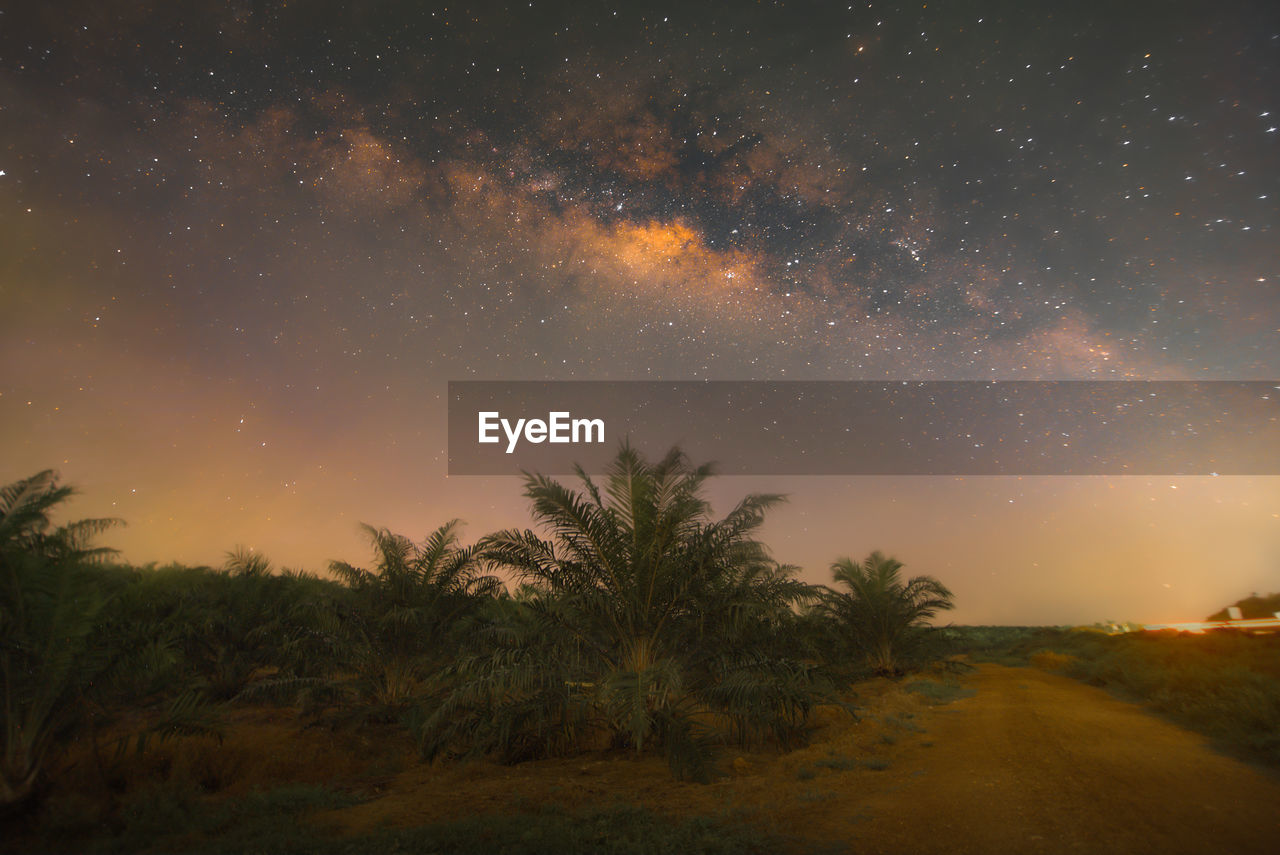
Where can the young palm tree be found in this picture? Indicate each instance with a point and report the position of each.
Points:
(880, 615)
(408, 610)
(48, 611)
(232, 625)
(648, 613)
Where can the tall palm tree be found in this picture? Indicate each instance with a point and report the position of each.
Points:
(879, 614)
(48, 610)
(646, 608)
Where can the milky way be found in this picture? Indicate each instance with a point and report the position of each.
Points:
(245, 247)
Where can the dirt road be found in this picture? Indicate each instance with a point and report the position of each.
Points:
(1039, 763)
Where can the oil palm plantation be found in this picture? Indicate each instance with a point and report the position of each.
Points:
(879, 615)
(643, 618)
(48, 611)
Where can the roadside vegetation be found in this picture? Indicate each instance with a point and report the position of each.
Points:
(630, 622)
(180, 817)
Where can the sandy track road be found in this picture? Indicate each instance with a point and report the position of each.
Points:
(1039, 763)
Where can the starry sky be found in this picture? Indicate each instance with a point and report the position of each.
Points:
(244, 247)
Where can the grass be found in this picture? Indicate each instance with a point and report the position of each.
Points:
(839, 764)
(815, 796)
(621, 829)
(940, 691)
(178, 818)
(902, 721)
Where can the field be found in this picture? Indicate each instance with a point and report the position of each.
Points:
(997, 759)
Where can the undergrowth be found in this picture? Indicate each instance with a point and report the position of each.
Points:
(176, 817)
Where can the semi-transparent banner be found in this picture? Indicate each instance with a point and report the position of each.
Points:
(1061, 427)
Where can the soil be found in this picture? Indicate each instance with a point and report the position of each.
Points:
(1033, 762)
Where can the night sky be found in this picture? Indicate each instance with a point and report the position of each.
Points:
(244, 246)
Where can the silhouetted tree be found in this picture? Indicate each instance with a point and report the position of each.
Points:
(881, 616)
(48, 611)
(639, 614)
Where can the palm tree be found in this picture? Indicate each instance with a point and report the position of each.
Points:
(231, 626)
(408, 609)
(649, 614)
(882, 617)
(48, 610)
